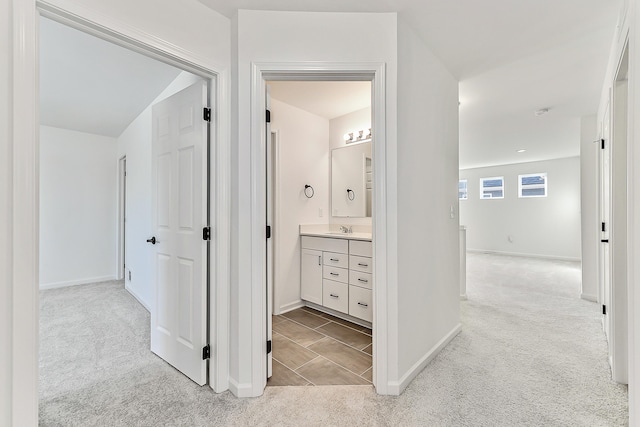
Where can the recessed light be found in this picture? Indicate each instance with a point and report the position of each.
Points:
(522, 150)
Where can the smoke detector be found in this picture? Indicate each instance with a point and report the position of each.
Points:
(541, 112)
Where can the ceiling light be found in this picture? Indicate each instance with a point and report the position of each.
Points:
(541, 112)
(522, 150)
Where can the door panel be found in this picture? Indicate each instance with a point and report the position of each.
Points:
(179, 150)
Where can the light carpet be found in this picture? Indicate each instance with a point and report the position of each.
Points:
(530, 353)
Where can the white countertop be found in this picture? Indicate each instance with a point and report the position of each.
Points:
(332, 231)
(338, 235)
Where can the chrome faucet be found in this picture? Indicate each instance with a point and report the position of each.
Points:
(345, 229)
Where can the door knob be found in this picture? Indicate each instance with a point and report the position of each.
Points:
(152, 240)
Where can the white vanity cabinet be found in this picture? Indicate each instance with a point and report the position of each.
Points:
(336, 274)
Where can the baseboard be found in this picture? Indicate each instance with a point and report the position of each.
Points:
(463, 297)
(77, 282)
(588, 297)
(397, 387)
(240, 390)
(521, 255)
(137, 297)
(290, 307)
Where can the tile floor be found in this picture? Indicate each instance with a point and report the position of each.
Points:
(314, 348)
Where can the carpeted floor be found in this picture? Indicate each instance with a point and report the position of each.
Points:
(531, 353)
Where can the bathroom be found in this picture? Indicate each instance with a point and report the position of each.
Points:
(320, 252)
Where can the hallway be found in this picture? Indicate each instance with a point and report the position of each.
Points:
(530, 353)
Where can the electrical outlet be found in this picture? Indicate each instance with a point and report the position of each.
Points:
(320, 212)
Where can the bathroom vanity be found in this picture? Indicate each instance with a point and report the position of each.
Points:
(336, 272)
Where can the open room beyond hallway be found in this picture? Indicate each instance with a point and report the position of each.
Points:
(531, 352)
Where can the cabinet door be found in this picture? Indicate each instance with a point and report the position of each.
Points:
(311, 275)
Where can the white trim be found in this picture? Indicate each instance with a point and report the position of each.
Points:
(522, 255)
(327, 71)
(25, 213)
(122, 214)
(240, 390)
(290, 307)
(588, 297)
(137, 297)
(86, 281)
(397, 387)
(25, 185)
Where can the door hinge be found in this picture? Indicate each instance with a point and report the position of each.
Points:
(268, 231)
(604, 309)
(206, 233)
(268, 116)
(268, 346)
(602, 143)
(206, 352)
(206, 115)
(604, 227)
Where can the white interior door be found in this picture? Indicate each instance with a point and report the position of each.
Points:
(269, 221)
(179, 152)
(605, 219)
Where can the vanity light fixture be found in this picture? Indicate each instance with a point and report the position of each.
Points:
(358, 136)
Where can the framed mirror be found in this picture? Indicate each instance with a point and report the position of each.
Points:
(351, 181)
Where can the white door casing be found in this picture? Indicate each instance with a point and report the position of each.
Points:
(179, 310)
(605, 196)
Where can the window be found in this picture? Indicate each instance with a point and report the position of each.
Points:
(462, 189)
(532, 185)
(492, 188)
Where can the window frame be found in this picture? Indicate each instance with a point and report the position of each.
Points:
(466, 189)
(545, 186)
(482, 187)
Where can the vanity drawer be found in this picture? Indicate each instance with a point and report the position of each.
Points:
(360, 303)
(335, 260)
(325, 244)
(360, 248)
(359, 278)
(335, 295)
(360, 263)
(335, 273)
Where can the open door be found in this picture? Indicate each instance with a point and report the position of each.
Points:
(605, 223)
(269, 221)
(179, 200)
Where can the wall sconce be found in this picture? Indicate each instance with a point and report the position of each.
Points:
(358, 136)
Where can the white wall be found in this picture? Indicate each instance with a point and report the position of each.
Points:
(357, 120)
(78, 207)
(590, 236)
(261, 36)
(428, 285)
(303, 158)
(135, 144)
(6, 170)
(546, 226)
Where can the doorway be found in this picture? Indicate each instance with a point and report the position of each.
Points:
(310, 164)
(124, 239)
(373, 73)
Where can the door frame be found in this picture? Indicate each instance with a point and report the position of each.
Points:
(122, 215)
(315, 71)
(25, 189)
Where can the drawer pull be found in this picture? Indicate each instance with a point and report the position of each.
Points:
(319, 260)
(335, 296)
(334, 260)
(334, 274)
(362, 264)
(363, 304)
(363, 280)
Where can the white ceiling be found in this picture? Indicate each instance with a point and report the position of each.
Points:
(325, 99)
(512, 58)
(90, 85)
